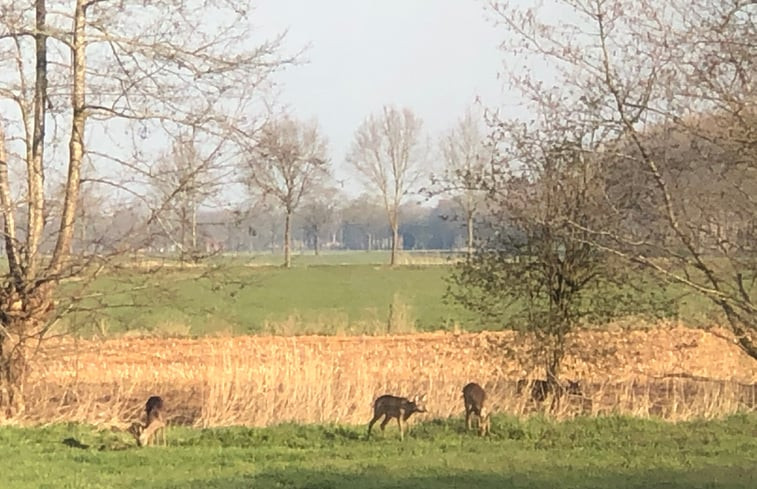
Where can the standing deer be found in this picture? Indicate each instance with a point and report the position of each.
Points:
(155, 422)
(473, 398)
(396, 407)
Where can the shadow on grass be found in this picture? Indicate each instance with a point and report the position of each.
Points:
(595, 478)
(74, 443)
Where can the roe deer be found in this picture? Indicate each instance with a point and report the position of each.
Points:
(396, 407)
(155, 422)
(473, 398)
(540, 388)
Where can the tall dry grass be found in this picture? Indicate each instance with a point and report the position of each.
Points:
(675, 374)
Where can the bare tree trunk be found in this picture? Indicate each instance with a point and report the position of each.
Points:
(316, 243)
(26, 300)
(76, 143)
(395, 243)
(183, 235)
(9, 221)
(287, 239)
(35, 174)
(193, 228)
(12, 355)
(13, 368)
(469, 225)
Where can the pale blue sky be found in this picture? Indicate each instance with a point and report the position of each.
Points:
(433, 56)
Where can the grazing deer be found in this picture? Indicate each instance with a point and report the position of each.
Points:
(396, 407)
(540, 388)
(473, 398)
(155, 422)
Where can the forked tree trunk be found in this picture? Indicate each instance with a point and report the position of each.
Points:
(26, 301)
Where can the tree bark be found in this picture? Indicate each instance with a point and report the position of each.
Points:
(35, 173)
(193, 210)
(9, 221)
(76, 143)
(395, 243)
(287, 243)
(469, 225)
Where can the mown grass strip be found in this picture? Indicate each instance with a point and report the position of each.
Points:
(584, 453)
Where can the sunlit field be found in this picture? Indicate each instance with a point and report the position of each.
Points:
(672, 373)
(334, 293)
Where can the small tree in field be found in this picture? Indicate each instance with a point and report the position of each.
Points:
(537, 272)
(671, 87)
(289, 160)
(319, 214)
(387, 152)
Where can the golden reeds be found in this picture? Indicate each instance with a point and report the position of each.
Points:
(674, 373)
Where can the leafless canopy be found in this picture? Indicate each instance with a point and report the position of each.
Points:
(388, 151)
(289, 159)
(467, 158)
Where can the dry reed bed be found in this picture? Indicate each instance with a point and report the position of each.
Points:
(262, 380)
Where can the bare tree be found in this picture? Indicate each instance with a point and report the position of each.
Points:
(671, 86)
(388, 151)
(184, 179)
(319, 213)
(128, 73)
(288, 160)
(466, 158)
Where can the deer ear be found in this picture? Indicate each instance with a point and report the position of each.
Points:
(422, 397)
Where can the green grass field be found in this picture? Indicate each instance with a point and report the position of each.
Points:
(317, 295)
(325, 299)
(534, 453)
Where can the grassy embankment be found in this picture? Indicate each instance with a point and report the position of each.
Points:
(582, 453)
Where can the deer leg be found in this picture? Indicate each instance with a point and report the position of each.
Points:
(135, 430)
(483, 426)
(402, 428)
(383, 423)
(372, 422)
(149, 431)
(467, 418)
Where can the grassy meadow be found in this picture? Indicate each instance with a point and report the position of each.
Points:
(334, 293)
(582, 453)
(232, 380)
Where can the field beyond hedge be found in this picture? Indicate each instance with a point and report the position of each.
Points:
(323, 295)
